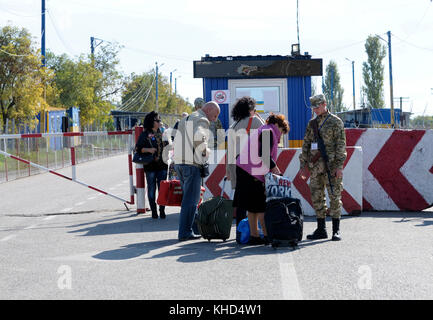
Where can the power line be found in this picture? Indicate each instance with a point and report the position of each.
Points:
(341, 48)
(134, 99)
(152, 53)
(411, 44)
(15, 55)
(67, 47)
(20, 15)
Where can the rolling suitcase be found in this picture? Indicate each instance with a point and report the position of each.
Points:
(284, 219)
(215, 217)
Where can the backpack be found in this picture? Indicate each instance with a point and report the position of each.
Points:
(284, 219)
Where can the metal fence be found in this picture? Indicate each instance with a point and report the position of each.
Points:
(52, 151)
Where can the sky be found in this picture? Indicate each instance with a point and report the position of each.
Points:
(174, 33)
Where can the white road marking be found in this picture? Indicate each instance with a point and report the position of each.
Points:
(289, 279)
(8, 237)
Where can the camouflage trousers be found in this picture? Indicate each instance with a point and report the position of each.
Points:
(318, 197)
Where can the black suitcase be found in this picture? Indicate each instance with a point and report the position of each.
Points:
(284, 219)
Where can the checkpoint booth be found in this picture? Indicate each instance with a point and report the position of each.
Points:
(279, 84)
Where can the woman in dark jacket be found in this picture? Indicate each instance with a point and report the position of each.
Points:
(150, 141)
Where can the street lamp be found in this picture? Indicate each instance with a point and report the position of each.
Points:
(175, 84)
(156, 76)
(353, 80)
(390, 75)
(171, 74)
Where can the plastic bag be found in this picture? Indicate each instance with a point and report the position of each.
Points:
(244, 230)
(277, 187)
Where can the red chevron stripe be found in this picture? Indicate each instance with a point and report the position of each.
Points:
(386, 169)
(302, 187)
(349, 204)
(353, 135)
(366, 206)
(284, 159)
(215, 178)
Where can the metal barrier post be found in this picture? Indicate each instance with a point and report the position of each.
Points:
(140, 181)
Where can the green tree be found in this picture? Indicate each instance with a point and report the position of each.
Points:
(332, 88)
(107, 62)
(140, 95)
(23, 81)
(372, 72)
(422, 122)
(89, 83)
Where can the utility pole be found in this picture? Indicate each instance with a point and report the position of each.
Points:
(43, 34)
(401, 108)
(332, 89)
(390, 76)
(156, 107)
(175, 84)
(93, 44)
(353, 82)
(390, 80)
(171, 75)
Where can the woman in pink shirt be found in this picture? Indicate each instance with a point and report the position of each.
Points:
(257, 158)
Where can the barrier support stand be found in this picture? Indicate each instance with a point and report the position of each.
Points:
(140, 180)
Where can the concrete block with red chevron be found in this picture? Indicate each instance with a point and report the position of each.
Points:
(385, 170)
(288, 162)
(397, 168)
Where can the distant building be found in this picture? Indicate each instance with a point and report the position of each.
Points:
(374, 118)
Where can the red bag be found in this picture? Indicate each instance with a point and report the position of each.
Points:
(170, 193)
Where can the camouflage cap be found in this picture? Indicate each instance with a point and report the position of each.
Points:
(317, 99)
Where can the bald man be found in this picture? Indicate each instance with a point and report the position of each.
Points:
(191, 152)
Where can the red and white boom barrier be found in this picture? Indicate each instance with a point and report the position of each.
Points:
(65, 134)
(62, 176)
(73, 157)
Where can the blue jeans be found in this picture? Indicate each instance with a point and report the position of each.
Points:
(190, 182)
(153, 178)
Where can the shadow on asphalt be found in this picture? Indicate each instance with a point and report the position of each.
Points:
(188, 252)
(424, 217)
(203, 250)
(134, 224)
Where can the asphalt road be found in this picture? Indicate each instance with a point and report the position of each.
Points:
(60, 240)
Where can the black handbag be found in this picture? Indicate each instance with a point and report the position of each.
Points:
(143, 158)
(204, 170)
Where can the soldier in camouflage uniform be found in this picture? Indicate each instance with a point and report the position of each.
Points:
(331, 129)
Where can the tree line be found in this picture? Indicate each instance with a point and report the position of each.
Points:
(373, 76)
(93, 83)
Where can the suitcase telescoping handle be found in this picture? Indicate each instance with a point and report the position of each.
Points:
(224, 186)
(169, 161)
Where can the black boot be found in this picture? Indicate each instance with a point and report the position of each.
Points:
(320, 232)
(154, 212)
(162, 212)
(336, 230)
